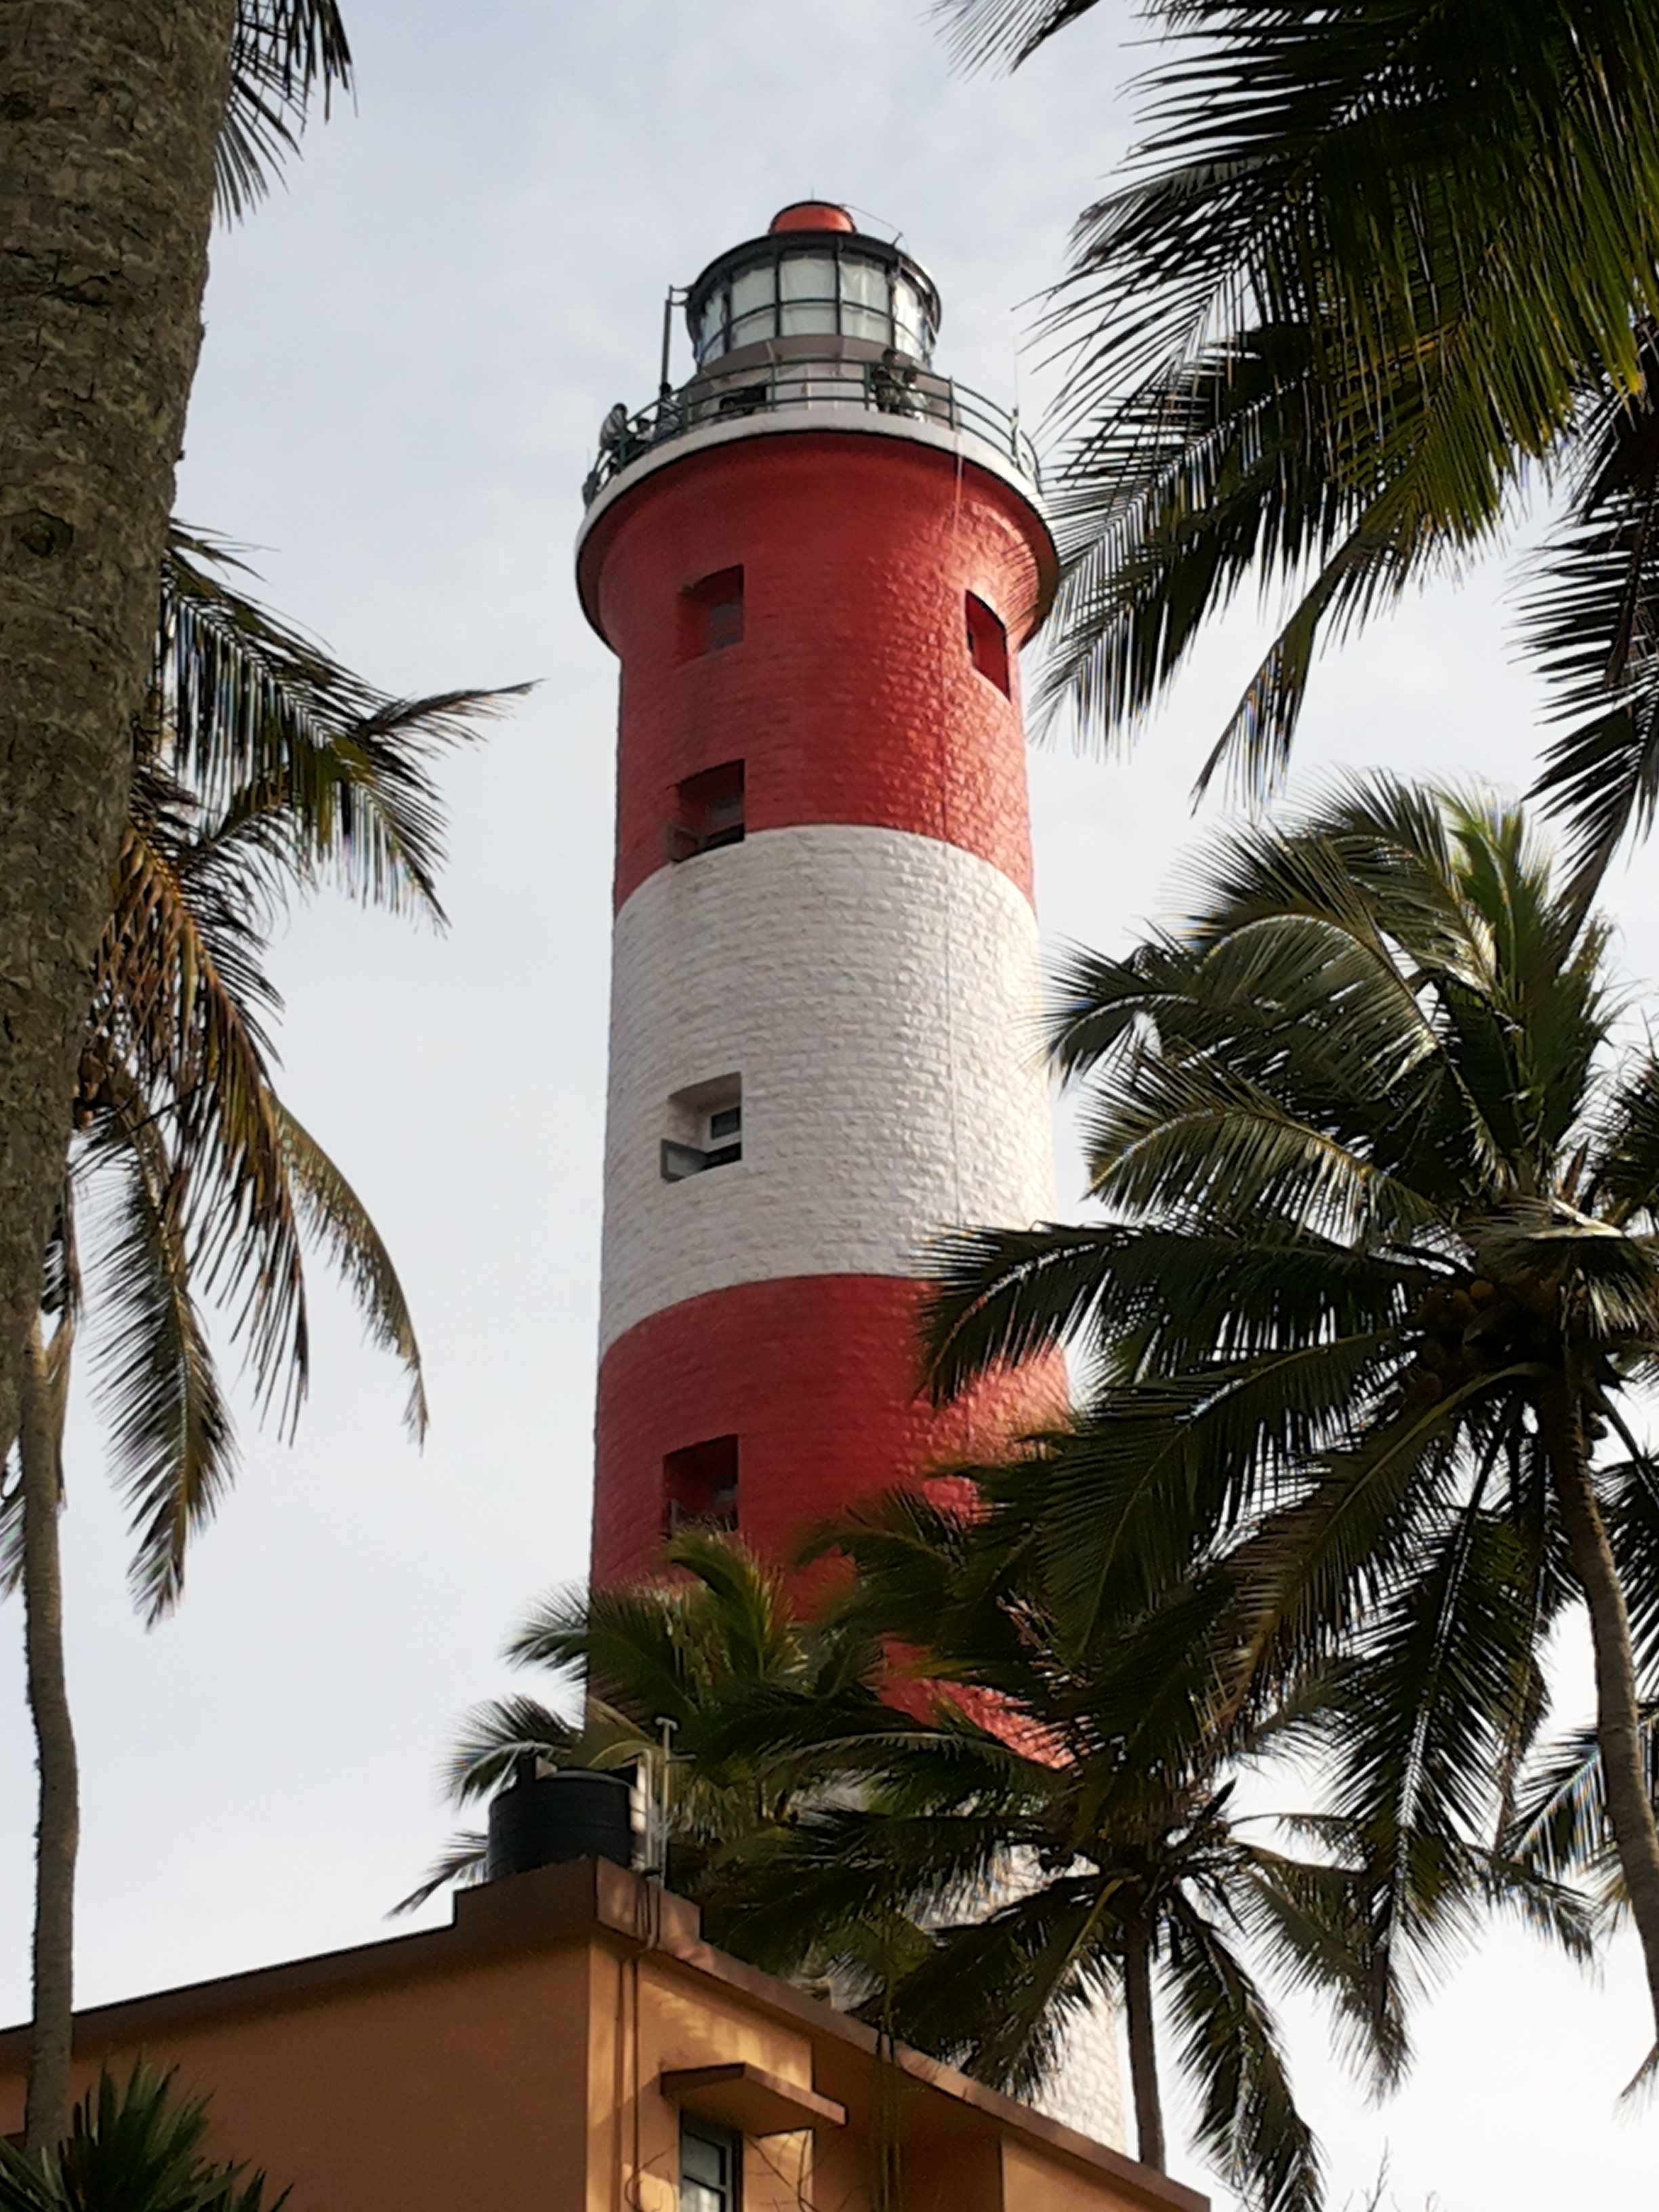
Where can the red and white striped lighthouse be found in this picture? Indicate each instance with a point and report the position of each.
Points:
(816, 562)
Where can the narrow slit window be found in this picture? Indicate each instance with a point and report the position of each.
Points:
(988, 643)
(705, 1129)
(711, 614)
(709, 812)
(700, 1486)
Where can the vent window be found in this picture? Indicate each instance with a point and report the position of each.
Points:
(700, 1486)
(705, 1128)
(707, 812)
(988, 643)
(711, 614)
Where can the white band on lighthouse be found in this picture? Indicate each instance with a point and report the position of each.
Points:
(874, 994)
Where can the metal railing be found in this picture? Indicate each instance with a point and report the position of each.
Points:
(891, 386)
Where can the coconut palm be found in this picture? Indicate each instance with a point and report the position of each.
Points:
(971, 1845)
(134, 2147)
(1088, 1787)
(1031, 1830)
(1377, 270)
(100, 294)
(1382, 1272)
(655, 1667)
(261, 771)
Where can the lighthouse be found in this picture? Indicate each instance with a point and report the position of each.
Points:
(816, 561)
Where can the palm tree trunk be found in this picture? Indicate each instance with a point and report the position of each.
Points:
(111, 109)
(39, 1437)
(1618, 1707)
(1143, 2049)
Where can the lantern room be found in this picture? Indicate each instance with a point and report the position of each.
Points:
(813, 275)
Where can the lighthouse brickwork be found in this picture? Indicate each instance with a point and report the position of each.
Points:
(816, 562)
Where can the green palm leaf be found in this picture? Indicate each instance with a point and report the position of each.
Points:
(1373, 269)
(330, 1212)
(283, 51)
(137, 2145)
(302, 773)
(172, 1447)
(1247, 2120)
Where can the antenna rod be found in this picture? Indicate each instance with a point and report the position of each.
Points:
(664, 387)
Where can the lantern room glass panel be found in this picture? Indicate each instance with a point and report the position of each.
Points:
(864, 309)
(911, 333)
(806, 282)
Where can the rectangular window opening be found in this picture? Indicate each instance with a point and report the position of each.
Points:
(700, 1486)
(988, 644)
(711, 614)
(704, 1128)
(709, 812)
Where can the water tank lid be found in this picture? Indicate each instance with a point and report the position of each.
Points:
(812, 214)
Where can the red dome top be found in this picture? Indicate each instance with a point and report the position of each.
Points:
(812, 214)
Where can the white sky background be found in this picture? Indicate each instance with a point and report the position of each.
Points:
(408, 350)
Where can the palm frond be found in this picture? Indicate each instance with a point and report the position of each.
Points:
(460, 1864)
(1593, 624)
(1314, 1922)
(299, 772)
(135, 2143)
(330, 1211)
(1625, 1183)
(998, 1992)
(1561, 1830)
(281, 51)
(1156, 1479)
(1005, 30)
(170, 1014)
(492, 1736)
(1248, 2120)
(1306, 1574)
(1435, 227)
(173, 1444)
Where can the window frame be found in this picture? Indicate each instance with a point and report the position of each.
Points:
(988, 649)
(701, 601)
(725, 2140)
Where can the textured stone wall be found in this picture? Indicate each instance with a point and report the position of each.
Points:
(878, 993)
(816, 1376)
(1086, 2090)
(851, 696)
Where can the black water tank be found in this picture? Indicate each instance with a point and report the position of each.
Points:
(540, 1820)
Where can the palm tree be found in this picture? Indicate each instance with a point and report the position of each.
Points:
(1377, 269)
(1382, 1271)
(133, 2147)
(1029, 1830)
(840, 1819)
(1088, 1787)
(145, 114)
(658, 1666)
(261, 770)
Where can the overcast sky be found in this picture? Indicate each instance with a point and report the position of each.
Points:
(409, 352)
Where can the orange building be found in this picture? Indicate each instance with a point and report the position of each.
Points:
(570, 2044)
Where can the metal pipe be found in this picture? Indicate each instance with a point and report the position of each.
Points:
(675, 294)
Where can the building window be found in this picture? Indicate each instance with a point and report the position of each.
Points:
(711, 2168)
(711, 614)
(988, 643)
(700, 1486)
(707, 812)
(705, 1128)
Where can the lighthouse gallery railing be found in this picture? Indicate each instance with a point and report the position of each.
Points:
(889, 387)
